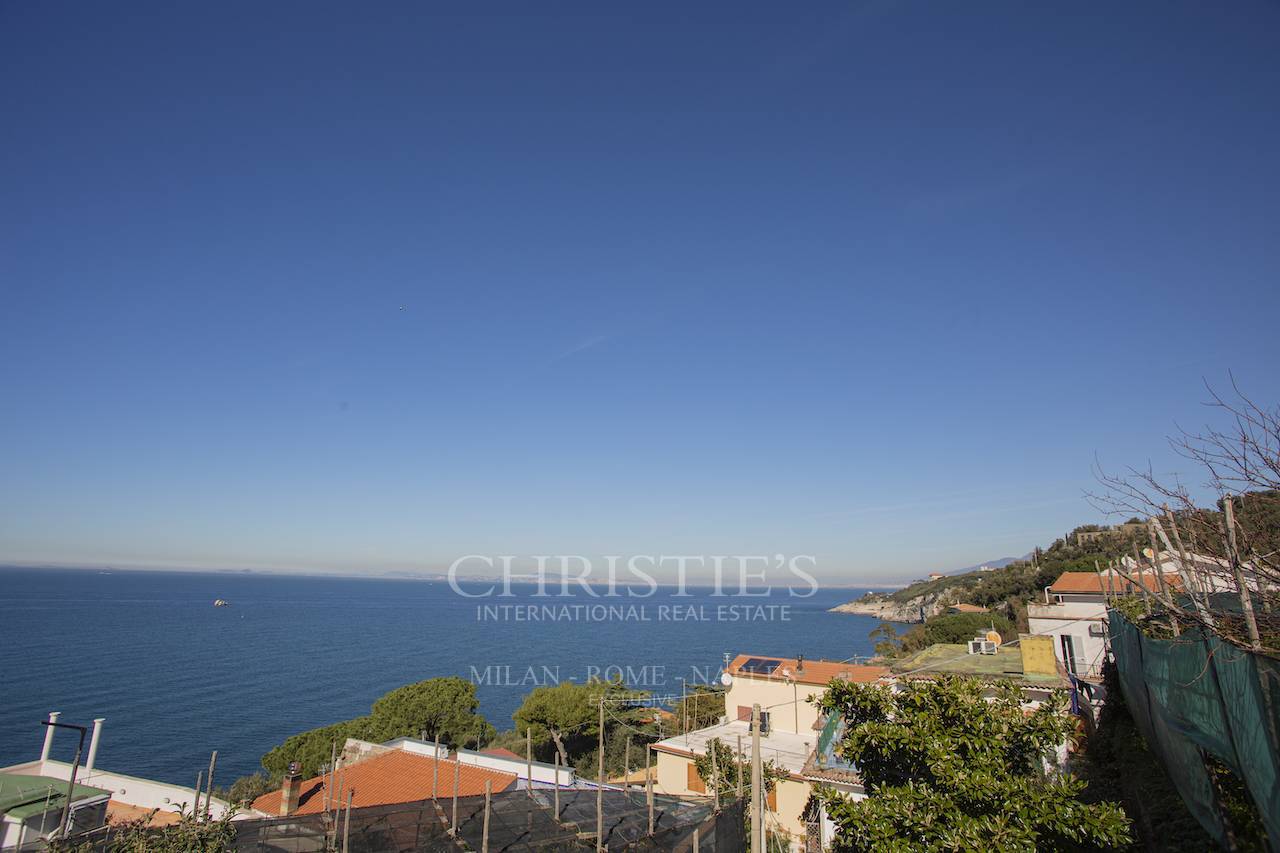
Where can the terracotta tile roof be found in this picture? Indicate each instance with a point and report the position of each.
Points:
(501, 753)
(1090, 582)
(394, 777)
(815, 671)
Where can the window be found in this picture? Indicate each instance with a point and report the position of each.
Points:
(694, 781)
(1069, 647)
(744, 716)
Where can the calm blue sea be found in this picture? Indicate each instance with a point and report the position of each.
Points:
(176, 677)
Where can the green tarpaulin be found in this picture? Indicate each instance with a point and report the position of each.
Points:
(1196, 692)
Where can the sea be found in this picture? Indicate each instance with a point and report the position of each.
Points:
(175, 677)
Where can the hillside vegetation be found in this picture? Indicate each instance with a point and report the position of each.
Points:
(1005, 592)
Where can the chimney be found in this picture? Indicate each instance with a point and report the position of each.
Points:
(48, 735)
(93, 744)
(292, 788)
(799, 663)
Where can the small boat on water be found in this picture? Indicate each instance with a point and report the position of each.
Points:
(221, 602)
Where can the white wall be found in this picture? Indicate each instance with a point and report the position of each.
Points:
(1072, 619)
(543, 773)
(144, 793)
(788, 710)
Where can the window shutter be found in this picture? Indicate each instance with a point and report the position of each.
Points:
(744, 713)
(771, 798)
(694, 781)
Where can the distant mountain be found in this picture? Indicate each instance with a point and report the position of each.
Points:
(995, 564)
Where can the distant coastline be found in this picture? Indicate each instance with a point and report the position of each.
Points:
(432, 577)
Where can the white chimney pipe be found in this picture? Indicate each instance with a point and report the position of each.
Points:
(48, 735)
(93, 743)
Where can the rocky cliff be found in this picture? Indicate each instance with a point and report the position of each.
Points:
(907, 610)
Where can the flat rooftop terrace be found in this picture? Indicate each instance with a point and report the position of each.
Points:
(954, 659)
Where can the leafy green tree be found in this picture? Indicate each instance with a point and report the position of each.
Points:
(568, 714)
(947, 628)
(559, 712)
(946, 768)
(445, 708)
(727, 765)
(313, 749)
(439, 709)
(246, 789)
(886, 640)
(704, 706)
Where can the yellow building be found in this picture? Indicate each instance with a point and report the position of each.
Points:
(794, 737)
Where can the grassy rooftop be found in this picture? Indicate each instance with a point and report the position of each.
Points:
(954, 659)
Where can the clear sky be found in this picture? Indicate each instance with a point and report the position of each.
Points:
(361, 287)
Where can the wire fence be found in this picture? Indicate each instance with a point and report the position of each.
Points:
(516, 822)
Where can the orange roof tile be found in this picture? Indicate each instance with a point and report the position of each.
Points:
(394, 777)
(814, 672)
(502, 753)
(1091, 582)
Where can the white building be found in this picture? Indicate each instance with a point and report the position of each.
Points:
(1074, 613)
(794, 737)
(100, 795)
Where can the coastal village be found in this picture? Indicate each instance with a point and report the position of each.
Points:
(766, 759)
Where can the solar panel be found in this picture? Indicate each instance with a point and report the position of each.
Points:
(762, 666)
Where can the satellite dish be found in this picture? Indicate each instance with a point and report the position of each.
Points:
(726, 679)
(993, 637)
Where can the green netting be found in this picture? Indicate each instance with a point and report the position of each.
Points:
(517, 822)
(1197, 692)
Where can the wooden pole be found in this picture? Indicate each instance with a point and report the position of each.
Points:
(208, 794)
(757, 815)
(195, 808)
(695, 839)
(795, 702)
(1246, 600)
(1184, 572)
(435, 772)
(648, 787)
(600, 783)
(557, 789)
(739, 763)
(346, 826)
(715, 778)
(324, 791)
(337, 806)
(626, 770)
(453, 821)
(333, 775)
(1164, 587)
(484, 835)
(684, 706)
(1137, 568)
(528, 760)
(1184, 555)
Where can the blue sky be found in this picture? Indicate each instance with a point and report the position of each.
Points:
(335, 287)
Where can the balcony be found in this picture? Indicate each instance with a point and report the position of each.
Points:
(826, 763)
